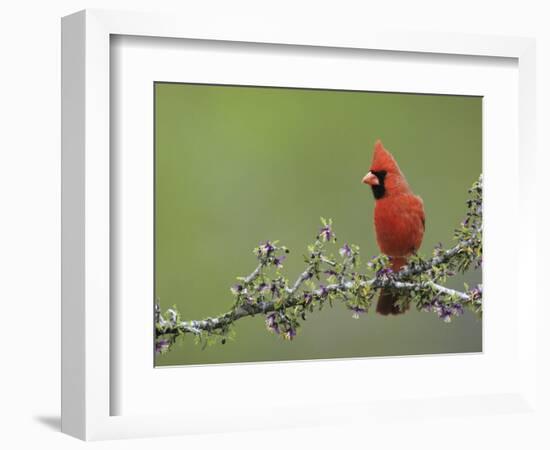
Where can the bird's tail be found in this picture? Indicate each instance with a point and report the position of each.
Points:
(388, 299)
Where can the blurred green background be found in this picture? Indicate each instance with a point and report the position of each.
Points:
(238, 165)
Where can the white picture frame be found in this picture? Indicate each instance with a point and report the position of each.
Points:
(87, 353)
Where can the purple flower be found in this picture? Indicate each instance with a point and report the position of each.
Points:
(330, 272)
(266, 249)
(356, 311)
(345, 251)
(308, 297)
(278, 261)
(271, 323)
(477, 292)
(457, 309)
(291, 332)
(383, 272)
(161, 346)
(262, 287)
(326, 233)
(444, 311)
(323, 291)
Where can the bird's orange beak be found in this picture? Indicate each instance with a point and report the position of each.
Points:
(371, 179)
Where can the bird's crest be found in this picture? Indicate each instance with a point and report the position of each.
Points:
(382, 159)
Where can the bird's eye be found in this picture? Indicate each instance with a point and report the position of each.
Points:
(380, 174)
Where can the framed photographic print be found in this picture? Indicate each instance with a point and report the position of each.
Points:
(278, 214)
(234, 162)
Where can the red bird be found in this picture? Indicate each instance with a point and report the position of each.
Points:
(399, 219)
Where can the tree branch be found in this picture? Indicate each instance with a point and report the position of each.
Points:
(285, 304)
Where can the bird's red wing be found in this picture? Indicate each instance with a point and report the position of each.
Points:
(418, 207)
(416, 221)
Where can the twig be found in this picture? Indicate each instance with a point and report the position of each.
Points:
(419, 277)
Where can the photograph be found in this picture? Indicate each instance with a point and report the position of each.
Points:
(275, 225)
(295, 224)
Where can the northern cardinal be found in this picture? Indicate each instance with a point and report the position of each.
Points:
(399, 219)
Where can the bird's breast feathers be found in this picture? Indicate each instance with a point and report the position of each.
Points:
(399, 223)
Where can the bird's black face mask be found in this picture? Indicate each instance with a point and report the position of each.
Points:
(379, 189)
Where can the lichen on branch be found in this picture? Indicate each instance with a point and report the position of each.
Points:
(340, 276)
